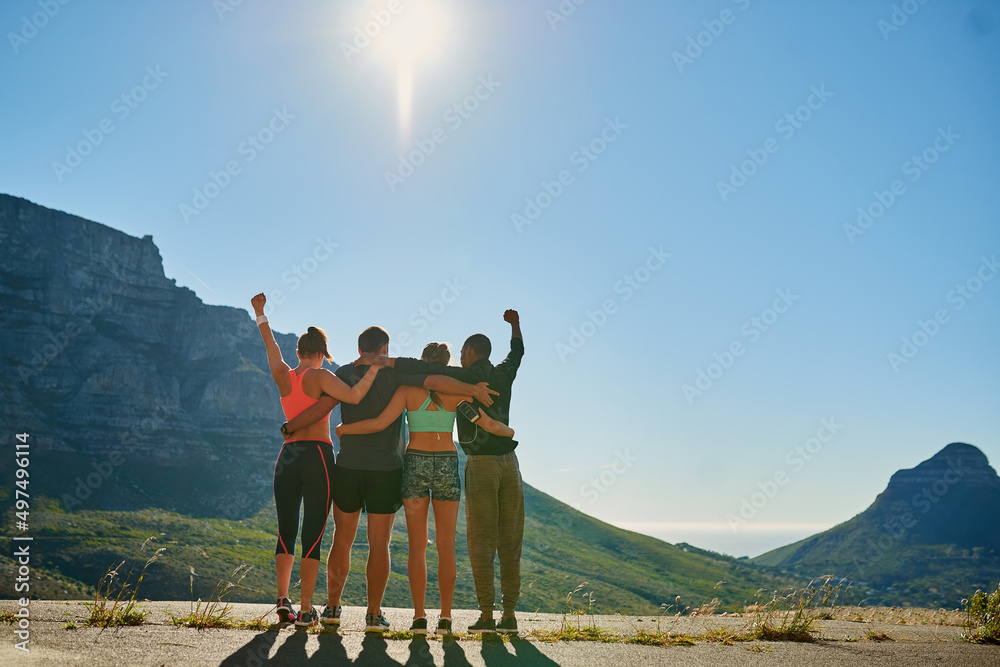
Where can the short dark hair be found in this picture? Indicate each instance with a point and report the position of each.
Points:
(372, 339)
(480, 344)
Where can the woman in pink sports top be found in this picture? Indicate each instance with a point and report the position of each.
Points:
(305, 463)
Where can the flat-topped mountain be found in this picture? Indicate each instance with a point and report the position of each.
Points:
(135, 392)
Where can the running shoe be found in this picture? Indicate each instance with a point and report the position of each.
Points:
(306, 618)
(330, 615)
(419, 626)
(286, 613)
(444, 626)
(376, 623)
(484, 624)
(507, 625)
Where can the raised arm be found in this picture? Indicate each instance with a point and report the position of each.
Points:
(512, 361)
(493, 426)
(279, 369)
(380, 423)
(510, 316)
(447, 385)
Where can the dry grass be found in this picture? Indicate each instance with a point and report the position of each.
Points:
(218, 612)
(110, 609)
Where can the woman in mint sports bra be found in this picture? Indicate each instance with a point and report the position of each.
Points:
(430, 474)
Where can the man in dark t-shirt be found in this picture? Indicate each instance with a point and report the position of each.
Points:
(494, 493)
(368, 473)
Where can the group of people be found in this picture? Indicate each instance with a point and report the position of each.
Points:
(377, 471)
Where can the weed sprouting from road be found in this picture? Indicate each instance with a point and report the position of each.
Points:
(110, 609)
(982, 625)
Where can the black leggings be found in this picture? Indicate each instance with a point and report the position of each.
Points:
(303, 471)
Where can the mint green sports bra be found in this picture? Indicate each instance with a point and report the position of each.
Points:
(430, 421)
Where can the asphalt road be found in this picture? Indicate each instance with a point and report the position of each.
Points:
(159, 643)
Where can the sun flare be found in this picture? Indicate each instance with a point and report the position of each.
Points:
(410, 37)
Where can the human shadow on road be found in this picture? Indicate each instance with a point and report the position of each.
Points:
(420, 653)
(495, 653)
(331, 649)
(292, 651)
(373, 652)
(528, 654)
(253, 652)
(454, 656)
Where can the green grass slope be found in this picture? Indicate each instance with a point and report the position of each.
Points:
(885, 568)
(929, 540)
(563, 548)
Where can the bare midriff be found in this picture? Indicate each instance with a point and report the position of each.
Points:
(431, 442)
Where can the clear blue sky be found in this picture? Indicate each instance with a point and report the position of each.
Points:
(663, 133)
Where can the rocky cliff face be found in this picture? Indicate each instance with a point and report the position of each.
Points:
(135, 392)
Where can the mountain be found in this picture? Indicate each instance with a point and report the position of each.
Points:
(930, 539)
(153, 414)
(135, 392)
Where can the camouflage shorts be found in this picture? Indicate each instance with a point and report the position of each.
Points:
(433, 474)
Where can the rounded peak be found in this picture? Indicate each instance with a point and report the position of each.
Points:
(969, 454)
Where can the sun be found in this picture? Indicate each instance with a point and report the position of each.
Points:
(411, 36)
(412, 32)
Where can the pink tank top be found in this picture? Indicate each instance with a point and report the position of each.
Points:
(297, 401)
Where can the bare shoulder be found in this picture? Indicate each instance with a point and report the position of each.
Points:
(414, 396)
(318, 375)
(313, 380)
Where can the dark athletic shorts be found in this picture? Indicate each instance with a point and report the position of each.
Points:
(433, 474)
(372, 491)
